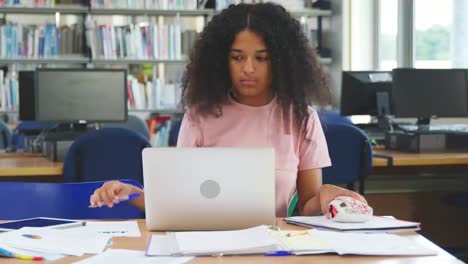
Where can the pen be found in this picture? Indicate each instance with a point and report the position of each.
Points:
(278, 253)
(122, 198)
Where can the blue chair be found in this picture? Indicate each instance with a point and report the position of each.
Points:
(61, 200)
(105, 154)
(134, 123)
(28, 128)
(5, 135)
(350, 152)
(174, 133)
(332, 117)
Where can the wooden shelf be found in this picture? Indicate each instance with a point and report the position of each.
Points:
(312, 12)
(135, 61)
(153, 12)
(64, 9)
(53, 60)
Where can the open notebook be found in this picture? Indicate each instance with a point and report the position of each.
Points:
(376, 224)
(262, 240)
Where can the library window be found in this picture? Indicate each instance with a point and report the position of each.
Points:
(433, 33)
(388, 29)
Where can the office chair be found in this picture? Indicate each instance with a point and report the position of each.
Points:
(174, 132)
(134, 123)
(105, 154)
(350, 152)
(332, 117)
(61, 200)
(5, 135)
(25, 128)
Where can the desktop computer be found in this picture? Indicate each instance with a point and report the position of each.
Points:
(368, 93)
(73, 98)
(427, 93)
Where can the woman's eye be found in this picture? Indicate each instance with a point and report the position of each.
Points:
(262, 58)
(237, 58)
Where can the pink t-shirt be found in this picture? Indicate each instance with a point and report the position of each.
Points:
(265, 126)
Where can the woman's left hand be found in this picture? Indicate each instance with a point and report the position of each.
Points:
(328, 193)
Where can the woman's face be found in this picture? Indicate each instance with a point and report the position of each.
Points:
(250, 69)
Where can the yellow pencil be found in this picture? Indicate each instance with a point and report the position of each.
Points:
(297, 233)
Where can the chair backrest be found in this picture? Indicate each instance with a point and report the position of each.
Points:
(5, 135)
(134, 123)
(350, 152)
(174, 132)
(105, 154)
(61, 200)
(28, 128)
(332, 117)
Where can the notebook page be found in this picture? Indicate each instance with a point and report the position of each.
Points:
(372, 244)
(252, 240)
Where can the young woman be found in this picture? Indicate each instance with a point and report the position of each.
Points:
(249, 82)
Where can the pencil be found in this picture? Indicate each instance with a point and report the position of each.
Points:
(298, 233)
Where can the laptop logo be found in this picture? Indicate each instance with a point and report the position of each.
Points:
(210, 189)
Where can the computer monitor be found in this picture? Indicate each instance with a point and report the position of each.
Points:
(81, 95)
(366, 93)
(426, 93)
(26, 96)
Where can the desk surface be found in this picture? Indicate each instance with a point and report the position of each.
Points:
(27, 164)
(420, 159)
(140, 244)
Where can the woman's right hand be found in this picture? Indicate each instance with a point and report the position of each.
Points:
(109, 193)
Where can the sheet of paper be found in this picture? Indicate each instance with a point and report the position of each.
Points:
(55, 241)
(162, 245)
(31, 253)
(374, 224)
(372, 244)
(303, 242)
(111, 228)
(124, 256)
(250, 240)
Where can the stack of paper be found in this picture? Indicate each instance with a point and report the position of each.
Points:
(117, 256)
(54, 241)
(255, 240)
(376, 224)
(301, 244)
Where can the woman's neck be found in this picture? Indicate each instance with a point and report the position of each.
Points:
(254, 100)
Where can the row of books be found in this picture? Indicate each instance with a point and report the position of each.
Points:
(35, 41)
(8, 93)
(44, 3)
(150, 41)
(147, 4)
(154, 94)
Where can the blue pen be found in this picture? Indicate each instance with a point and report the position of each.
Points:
(279, 253)
(122, 198)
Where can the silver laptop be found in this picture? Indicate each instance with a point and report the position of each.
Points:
(208, 188)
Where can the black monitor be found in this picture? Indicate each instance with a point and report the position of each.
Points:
(426, 93)
(26, 96)
(366, 93)
(81, 95)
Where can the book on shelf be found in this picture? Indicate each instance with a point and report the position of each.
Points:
(140, 41)
(39, 41)
(42, 3)
(155, 94)
(146, 4)
(8, 92)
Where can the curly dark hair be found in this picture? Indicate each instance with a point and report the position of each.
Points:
(298, 78)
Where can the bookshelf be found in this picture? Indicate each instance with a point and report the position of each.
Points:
(87, 60)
